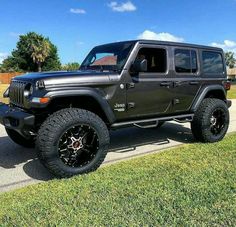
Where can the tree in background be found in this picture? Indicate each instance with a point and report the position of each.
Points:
(40, 50)
(33, 53)
(230, 60)
(71, 66)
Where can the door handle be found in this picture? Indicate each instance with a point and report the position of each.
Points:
(177, 83)
(194, 83)
(165, 84)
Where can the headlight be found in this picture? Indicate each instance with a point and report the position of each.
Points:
(28, 90)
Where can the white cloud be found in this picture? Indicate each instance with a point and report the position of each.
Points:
(77, 11)
(163, 36)
(79, 43)
(122, 7)
(3, 56)
(15, 34)
(227, 45)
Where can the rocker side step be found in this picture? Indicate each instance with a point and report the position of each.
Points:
(138, 123)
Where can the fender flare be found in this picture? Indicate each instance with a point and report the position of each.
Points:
(203, 92)
(85, 92)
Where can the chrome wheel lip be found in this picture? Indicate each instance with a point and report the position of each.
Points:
(87, 151)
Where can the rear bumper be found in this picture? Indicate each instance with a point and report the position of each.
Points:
(15, 118)
(229, 103)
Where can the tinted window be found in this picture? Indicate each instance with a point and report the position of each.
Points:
(212, 62)
(185, 61)
(108, 57)
(156, 59)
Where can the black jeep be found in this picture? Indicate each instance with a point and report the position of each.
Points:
(68, 115)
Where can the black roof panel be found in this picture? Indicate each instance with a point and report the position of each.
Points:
(167, 43)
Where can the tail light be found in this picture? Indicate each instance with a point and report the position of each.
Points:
(227, 85)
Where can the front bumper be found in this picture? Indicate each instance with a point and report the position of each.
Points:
(15, 118)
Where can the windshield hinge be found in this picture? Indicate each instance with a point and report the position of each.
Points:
(130, 85)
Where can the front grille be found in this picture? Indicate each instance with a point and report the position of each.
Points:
(16, 93)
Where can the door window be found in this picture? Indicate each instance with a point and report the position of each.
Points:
(156, 59)
(185, 61)
(212, 62)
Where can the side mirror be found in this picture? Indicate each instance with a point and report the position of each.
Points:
(139, 66)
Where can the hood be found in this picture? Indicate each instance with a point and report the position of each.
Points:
(65, 77)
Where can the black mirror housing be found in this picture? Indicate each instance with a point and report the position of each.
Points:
(139, 66)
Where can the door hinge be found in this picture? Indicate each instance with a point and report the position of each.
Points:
(130, 85)
(130, 105)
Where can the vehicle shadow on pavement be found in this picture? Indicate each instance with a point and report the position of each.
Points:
(131, 138)
(12, 155)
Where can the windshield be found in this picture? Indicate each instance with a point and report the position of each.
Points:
(108, 57)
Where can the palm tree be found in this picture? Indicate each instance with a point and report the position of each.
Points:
(40, 50)
(230, 60)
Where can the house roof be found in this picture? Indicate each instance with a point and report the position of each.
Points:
(231, 72)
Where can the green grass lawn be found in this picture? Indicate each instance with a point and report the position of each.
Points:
(3, 88)
(232, 92)
(189, 185)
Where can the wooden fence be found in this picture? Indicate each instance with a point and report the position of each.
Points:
(5, 78)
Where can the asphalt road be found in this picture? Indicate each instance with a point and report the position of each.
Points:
(20, 166)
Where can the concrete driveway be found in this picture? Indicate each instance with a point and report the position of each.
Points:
(20, 166)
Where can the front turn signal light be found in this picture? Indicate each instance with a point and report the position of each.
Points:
(43, 100)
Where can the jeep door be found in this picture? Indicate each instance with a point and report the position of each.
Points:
(150, 93)
(187, 80)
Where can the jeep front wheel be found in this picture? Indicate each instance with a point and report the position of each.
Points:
(72, 141)
(211, 121)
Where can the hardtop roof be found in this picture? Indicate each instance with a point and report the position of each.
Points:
(168, 43)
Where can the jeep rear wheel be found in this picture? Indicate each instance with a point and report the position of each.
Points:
(19, 139)
(211, 121)
(72, 141)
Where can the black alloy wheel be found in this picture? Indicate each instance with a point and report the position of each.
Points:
(78, 146)
(217, 121)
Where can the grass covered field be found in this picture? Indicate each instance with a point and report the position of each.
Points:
(232, 92)
(189, 185)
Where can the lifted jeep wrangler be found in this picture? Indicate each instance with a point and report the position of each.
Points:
(68, 115)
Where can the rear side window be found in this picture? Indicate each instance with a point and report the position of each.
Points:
(156, 59)
(185, 61)
(212, 62)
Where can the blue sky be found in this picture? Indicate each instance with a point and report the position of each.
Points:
(75, 26)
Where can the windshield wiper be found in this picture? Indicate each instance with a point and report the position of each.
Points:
(101, 68)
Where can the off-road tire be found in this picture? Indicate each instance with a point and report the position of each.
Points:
(53, 128)
(201, 124)
(19, 139)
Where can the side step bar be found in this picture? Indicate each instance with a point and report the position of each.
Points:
(146, 126)
(178, 118)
